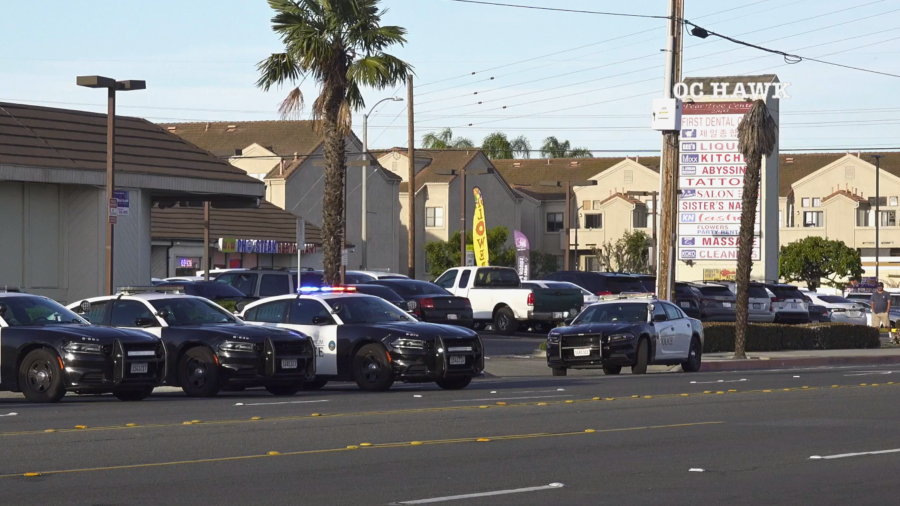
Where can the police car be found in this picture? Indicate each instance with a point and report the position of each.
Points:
(634, 330)
(369, 340)
(47, 350)
(208, 348)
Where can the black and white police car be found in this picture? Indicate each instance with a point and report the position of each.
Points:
(207, 347)
(47, 350)
(369, 340)
(634, 330)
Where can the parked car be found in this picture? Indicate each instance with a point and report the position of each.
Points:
(262, 282)
(216, 292)
(820, 314)
(788, 303)
(648, 280)
(600, 283)
(382, 275)
(352, 277)
(708, 302)
(760, 309)
(429, 302)
(867, 308)
(840, 309)
(497, 296)
(179, 279)
(589, 298)
(382, 292)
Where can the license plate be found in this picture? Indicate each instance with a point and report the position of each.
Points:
(558, 315)
(757, 306)
(458, 360)
(792, 306)
(582, 352)
(726, 304)
(289, 364)
(686, 304)
(853, 314)
(452, 317)
(139, 368)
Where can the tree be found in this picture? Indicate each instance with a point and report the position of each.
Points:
(445, 140)
(629, 254)
(541, 264)
(498, 147)
(443, 255)
(340, 44)
(814, 259)
(757, 135)
(552, 148)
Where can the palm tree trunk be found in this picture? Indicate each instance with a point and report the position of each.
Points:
(745, 252)
(333, 200)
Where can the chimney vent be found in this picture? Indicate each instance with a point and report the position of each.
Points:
(238, 151)
(231, 128)
(172, 128)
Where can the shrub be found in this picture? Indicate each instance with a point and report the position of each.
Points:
(719, 337)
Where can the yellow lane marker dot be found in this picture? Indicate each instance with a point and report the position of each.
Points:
(635, 396)
(195, 421)
(501, 404)
(256, 418)
(767, 391)
(890, 382)
(595, 399)
(274, 453)
(685, 395)
(131, 425)
(316, 414)
(590, 430)
(835, 386)
(610, 398)
(482, 440)
(720, 392)
(542, 404)
(482, 407)
(415, 443)
(707, 391)
(648, 397)
(787, 389)
(569, 402)
(365, 444)
(863, 384)
(353, 447)
(732, 390)
(50, 430)
(805, 387)
(81, 426)
(187, 423)
(32, 475)
(874, 384)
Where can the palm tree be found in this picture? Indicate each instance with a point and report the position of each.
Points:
(497, 147)
(340, 44)
(553, 148)
(757, 135)
(445, 140)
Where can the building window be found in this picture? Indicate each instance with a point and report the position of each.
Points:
(592, 264)
(629, 176)
(434, 217)
(592, 221)
(893, 201)
(554, 222)
(862, 218)
(596, 205)
(888, 218)
(639, 217)
(816, 202)
(804, 202)
(849, 173)
(813, 218)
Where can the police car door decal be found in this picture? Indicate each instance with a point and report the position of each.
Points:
(325, 339)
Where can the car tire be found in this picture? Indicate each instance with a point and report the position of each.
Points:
(133, 395)
(198, 373)
(284, 390)
(612, 370)
(505, 322)
(371, 369)
(454, 383)
(316, 384)
(642, 358)
(559, 371)
(695, 357)
(41, 377)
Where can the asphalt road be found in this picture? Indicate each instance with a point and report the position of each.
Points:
(522, 343)
(606, 440)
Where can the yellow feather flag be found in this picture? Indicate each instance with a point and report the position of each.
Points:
(479, 237)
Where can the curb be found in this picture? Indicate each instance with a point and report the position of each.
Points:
(791, 363)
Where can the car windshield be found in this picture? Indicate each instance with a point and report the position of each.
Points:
(715, 291)
(366, 310)
(757, 292)
(834, 299)
(629, 312)
(36, 311)
(619, 284)
(412, 288)
(191, 311)
(209, 290)
(786, 292)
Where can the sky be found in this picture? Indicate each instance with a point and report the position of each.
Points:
(586, 78)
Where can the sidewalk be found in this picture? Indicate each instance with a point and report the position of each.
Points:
(536, 365)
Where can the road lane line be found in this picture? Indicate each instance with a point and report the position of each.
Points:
(719, 381)
(10, 414)
(277, 403)
(511, 398)
(873, 373)
(406, 444)
(551, 486)
(846, 455)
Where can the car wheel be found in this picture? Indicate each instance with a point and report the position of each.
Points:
(641, 359)
(133, 395)
(612, 370)
(284, 390)
(695, 357)
(559, 371)
(316, 384)
(455, 383)
(198, 373)
(371, 369)
(40, 377)
(505, 322)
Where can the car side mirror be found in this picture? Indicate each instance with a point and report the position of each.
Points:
(163, 313)
(321, 320)
(659, 317)
(145, 322)
(85, 306)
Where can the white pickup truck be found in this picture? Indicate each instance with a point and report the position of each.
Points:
(497, 297)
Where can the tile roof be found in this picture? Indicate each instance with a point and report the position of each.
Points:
(525, 176)
(441, 159)
(222, 138)
(284, 173)
(845, 193)
(268, 222)
(793, 167)
(622, 196)
(34, 136)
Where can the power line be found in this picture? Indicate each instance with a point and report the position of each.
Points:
(647, 16)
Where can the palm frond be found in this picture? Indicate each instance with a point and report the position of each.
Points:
(521, 147)
(579, 153)
(463, 142)
(433, 141)
(291, 105)
(278, 69)
(496, 146)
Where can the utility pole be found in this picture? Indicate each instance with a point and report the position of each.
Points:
(411, 178)
(654, 195)
(206, 257)
(877, 209)
(462, 217)
(665, 274)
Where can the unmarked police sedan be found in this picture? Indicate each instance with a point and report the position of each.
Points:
(208, 348)
(629, 331)
(365, 339)
(47, 350)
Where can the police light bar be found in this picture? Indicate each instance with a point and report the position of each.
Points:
(327, 289)
(632, 295)
(12, 289)
(132, 290)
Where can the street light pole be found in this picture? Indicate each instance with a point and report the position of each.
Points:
(111, 86)
(463, 193)
(877, 213)
(365, 176)
(567, 224)
(577, 226)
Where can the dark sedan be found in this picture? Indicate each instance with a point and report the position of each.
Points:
(431, 303)
(382, 292)
(212, 290)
